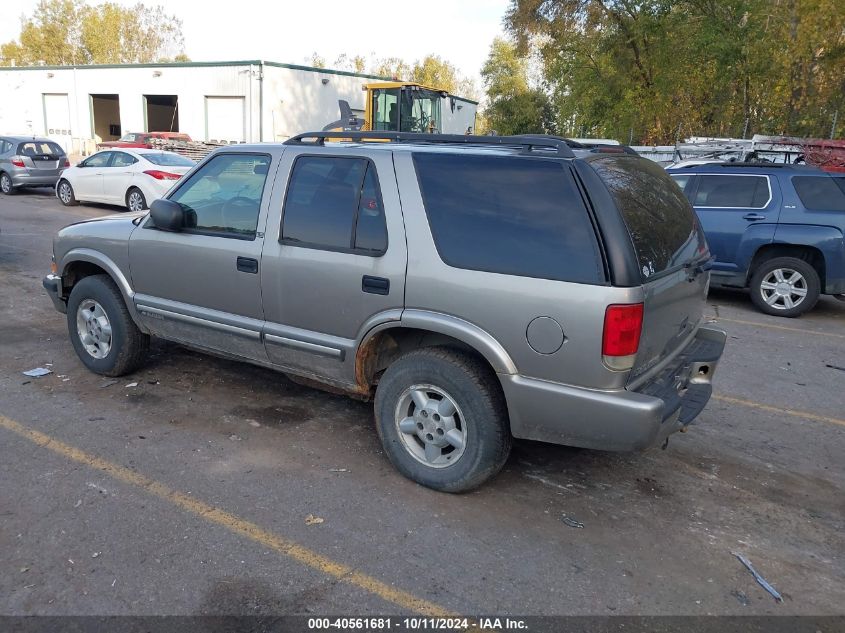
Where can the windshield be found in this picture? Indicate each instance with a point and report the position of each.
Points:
(420, 111)
(129, 138)
(169, 159)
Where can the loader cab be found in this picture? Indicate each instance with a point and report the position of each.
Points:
(403, 107)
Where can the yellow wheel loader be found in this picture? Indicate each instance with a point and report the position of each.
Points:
(394, 106)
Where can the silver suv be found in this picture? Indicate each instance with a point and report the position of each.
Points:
(477, 288)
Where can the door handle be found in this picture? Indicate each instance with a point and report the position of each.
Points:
(375, 285)
(753, 216)
(247, 265)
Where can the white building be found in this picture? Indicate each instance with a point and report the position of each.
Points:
(212, 101)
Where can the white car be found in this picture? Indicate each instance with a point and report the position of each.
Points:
(129, 177)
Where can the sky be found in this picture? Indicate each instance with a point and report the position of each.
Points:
(460, 31)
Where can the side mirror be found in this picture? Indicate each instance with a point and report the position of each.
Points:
(167, 215)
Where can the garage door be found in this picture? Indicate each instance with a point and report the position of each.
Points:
(225, 119)
(57, 119)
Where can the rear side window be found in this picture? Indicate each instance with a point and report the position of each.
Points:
(40, 148)
(334, 203)
(735, 192)
(659, 218)
(821, 193)
(515, 216)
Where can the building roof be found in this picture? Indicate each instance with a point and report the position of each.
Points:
(248, 62)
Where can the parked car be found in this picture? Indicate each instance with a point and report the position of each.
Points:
(477, 288)
(143, 139)
(776, 229)
(130, 177)
(29, 161)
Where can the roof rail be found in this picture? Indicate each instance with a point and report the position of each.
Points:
(595, 147)
(526, 142)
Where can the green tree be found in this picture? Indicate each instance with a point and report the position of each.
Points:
(66, 32)
(513, 106)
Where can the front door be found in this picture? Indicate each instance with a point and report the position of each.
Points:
(329, 271)
(88, 180)
(201, 285)
(739, 213)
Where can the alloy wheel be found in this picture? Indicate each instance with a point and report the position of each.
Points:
(94, 328)
(431, 426)
(783, 288)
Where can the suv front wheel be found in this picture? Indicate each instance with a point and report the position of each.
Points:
(785, 286)
(101, 330)
(442, 419)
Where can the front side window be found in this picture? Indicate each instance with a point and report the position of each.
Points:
(386, 109)
(98, 160)
(732, 191)
(821, 193)
(514, 216)
(223, 197)
(334, 203)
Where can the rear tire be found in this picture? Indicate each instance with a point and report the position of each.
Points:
(135, 200)
(101, 330)
(458, 450)
(6, 184)
(785, 287)
(65, 194)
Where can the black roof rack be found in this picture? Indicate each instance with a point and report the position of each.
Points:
(526, 142)
(597, 147)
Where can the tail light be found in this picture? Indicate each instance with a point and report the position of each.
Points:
(162, 175)
(66, 163)
(17, 161)
(623, 324)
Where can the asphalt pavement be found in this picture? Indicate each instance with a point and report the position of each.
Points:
(196, 485)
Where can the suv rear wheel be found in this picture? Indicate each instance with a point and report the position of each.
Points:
(442, 419)
(785, 286)
(103, 334)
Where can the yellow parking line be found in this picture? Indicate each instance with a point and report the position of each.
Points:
(232, 523)
(766, 407)
(780, 327)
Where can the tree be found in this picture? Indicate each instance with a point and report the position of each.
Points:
(69, 32)
(514, 107)
(668, 68)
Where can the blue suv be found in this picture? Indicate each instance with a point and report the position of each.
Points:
(775, 229)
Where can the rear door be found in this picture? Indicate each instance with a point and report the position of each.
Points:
(739, 213)
(116, 177)
(671, 250)
(42, 159)
(329, 268)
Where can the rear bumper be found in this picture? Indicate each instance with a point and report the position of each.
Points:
(26, 180)
(53, 285)
(618, 420)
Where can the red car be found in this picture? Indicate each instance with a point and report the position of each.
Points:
(142, 139)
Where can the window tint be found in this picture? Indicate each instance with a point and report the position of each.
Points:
(38, 148)
(169, 159)
(122, 159)
(743, 192)
(224, 195)
(334, 203)
(98, 160)
(822, 193)
(659, 218)
(515, 216)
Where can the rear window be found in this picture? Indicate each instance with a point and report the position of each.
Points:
(821, 193)
(169, 160)
(40, 148)
(659, 218)
(515, 216)
(732, 191)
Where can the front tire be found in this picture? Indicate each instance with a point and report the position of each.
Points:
(785, 286)
(442, 419)
(65, 194)
(101, 330)
(6, 184)
(135, 200)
